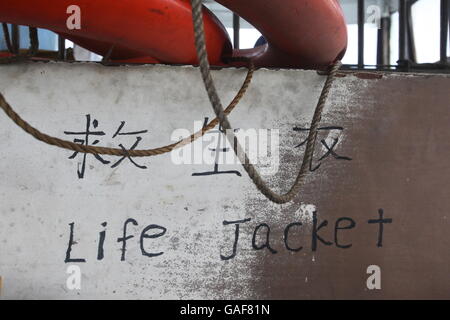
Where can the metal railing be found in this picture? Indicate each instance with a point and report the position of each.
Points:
(406, 62)
(407, 57)
(407, 50)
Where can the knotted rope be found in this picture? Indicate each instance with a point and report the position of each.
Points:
(200, 44)
(14, 116)
(221, 117)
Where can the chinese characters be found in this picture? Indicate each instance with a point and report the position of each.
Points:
(329, 144)
(91, 133)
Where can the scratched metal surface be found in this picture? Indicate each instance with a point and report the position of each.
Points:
(388, 149)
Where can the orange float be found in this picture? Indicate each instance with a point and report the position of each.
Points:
(300, 33)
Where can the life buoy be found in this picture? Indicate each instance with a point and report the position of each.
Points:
(300, 33)
(161, 29)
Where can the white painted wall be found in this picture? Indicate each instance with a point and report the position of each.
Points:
(41, 194)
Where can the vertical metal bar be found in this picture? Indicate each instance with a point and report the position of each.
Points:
(383, 46)
(61, 48)
(380, 47)
(15, 38)
(361, 18)
(444, 29)
(7, 37)
(411, 43)
(236, 30)
(34, 41)
(402, 30)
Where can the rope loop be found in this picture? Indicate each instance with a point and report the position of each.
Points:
(200, 44)
(221, 116)
(54, 141)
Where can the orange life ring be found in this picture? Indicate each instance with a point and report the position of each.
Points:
(162, 29)
(300, 33)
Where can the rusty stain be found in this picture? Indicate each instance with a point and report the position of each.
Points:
(368, 76)
(360, 75)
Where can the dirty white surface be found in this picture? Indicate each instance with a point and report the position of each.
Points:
(41, 194)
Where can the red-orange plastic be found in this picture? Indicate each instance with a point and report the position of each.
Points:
(300, 33)
(162, 29)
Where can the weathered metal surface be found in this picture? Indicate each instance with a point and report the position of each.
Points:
(391, 154)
